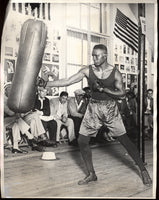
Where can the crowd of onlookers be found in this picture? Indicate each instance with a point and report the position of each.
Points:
(129, 107)
(61, 117)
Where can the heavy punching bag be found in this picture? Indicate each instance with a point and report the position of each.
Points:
(31, 48)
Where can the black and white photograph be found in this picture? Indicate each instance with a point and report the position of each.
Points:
(117, 66)
(128, 68)
(122, 67)
(55, 58)
(46, 57)
(121, 59)
(79, 99)
(133, 69)
(9, 67)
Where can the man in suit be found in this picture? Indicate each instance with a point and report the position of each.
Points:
(42, 107)
(77, 108)
(59, 111)
(18, 125)
(148, 112)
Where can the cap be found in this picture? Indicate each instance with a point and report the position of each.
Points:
(79, 92)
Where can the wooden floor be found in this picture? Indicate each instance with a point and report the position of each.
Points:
(117, 175)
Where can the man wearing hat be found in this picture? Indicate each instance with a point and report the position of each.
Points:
(59, 111)
(77, 108)
(42, 107)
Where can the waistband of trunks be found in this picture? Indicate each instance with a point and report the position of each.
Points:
(101, 101)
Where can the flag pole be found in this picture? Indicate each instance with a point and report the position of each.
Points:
(141, 83)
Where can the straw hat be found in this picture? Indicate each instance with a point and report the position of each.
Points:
(79, 92)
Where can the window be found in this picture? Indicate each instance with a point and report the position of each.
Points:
(73, 15)
(83, 32)
(77, 55)
(88, 16)
(95, 17)
(72, 69)
(74, 48)
(84, 16)
(37, 10)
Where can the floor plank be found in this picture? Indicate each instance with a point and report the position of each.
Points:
(117, 175)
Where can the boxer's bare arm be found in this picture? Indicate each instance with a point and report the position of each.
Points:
(84, 72)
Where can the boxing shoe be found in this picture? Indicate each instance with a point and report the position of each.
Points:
(146, 178)
(91, 177)
(19, 151)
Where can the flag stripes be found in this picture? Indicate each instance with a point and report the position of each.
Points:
(126, 30)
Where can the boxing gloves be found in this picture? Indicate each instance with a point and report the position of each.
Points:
(31, 48)
(98, 86)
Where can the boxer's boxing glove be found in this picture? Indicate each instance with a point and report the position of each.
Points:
(97, 86)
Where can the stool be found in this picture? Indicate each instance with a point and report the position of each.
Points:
(9, 139)
(64, 135)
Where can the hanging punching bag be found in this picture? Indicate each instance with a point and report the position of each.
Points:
(31, 48)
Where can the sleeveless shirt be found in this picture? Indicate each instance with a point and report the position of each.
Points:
(108, 83)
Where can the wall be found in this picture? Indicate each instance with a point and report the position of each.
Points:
(57, 28)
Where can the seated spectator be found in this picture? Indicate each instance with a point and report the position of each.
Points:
(132, 105)
(42, 107)
(76, 109)
(32, 119)
(87, 95)
(125, 111)
(59, 111)
(148, 113)
(35, 123)
(18, 125)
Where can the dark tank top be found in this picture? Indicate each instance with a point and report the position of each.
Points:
(108, 83)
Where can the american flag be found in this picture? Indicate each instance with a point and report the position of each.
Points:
(126, 30)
